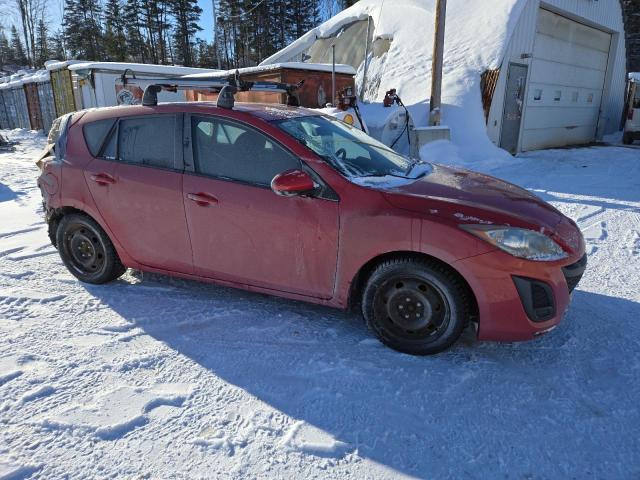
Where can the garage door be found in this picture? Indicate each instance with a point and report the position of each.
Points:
(568, 71)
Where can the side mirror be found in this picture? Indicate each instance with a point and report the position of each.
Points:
(292, 182)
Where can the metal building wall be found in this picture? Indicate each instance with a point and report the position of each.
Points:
(4, 119)
(47, 106)
(603, 14)
(10, 108)
(20, 102)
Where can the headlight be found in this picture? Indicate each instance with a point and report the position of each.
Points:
(519, 242)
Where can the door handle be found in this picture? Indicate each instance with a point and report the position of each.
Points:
(202, 199)
(103, 179)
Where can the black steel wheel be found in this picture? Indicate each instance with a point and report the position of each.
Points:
(415, 307)
(86, 250)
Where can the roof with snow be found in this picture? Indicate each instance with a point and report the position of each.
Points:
(139, 68)
(58, 65)
(315, 67)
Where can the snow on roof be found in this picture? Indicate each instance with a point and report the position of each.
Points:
(37, 77)
(316, 67)
(634, 76)
(58, 65)
(139, 68)
(476, 37)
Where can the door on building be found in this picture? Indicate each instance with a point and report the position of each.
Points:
(513, 106)
(566, 84)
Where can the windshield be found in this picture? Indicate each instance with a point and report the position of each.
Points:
(349, 150)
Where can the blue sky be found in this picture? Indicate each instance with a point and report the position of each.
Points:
(206, 19)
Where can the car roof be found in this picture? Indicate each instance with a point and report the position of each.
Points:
(265, 111)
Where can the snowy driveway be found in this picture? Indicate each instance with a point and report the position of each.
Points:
(160, 378)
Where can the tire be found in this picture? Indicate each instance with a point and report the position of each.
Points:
(86, 250)
(415, 307)
(627, 138)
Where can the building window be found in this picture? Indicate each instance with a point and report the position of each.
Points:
(590, 98)
(574, 97)
(537, 95)
(557, 96)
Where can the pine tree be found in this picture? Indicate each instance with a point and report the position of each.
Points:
(206, 56)
(186, 14)
(42, 50)
(56, 48)
(6, 52)
(302, 16)
(136, 45)
(83, 29)
(115, 42)
(20, 56)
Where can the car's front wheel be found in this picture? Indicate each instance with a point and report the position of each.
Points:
(86, 250)
(416, 307)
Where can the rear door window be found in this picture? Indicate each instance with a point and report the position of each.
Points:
(149, 140)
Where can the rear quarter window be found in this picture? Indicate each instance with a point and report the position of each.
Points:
(95, 134)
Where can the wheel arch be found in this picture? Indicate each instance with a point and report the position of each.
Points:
(56, 214)
(364, 273)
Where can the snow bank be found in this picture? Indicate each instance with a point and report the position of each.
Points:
(476, 38)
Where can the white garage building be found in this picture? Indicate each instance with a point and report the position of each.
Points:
(563, 77)
(553, 71)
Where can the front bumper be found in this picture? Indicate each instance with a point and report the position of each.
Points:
(519, 299)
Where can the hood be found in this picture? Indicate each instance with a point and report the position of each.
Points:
(463, 196)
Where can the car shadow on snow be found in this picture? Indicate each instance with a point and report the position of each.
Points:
(6, 194)
(548, 407)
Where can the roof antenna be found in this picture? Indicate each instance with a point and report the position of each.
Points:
(225, 97)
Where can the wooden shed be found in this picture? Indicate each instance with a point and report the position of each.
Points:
(33, 104)
(62, 86)
(315, 93)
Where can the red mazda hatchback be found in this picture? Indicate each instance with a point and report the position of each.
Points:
(288, 202)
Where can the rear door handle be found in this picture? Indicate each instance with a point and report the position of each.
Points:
(103, 179)
(202, 199)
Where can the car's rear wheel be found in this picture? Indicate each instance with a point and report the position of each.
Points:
(627, 138)
(416, 307)
(86, 250)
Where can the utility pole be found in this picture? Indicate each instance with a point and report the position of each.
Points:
(215, 34)
(437, 65)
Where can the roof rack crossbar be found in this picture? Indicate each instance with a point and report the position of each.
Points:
(213, 84)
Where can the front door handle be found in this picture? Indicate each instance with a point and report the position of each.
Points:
(103, 179)
(202, 199)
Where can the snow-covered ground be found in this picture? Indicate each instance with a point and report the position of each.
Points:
(152, 377)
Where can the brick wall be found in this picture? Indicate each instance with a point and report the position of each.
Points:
(631, 12)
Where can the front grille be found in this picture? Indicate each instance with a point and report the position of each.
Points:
(573, 273)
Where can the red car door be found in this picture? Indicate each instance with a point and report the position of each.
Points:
(137, 186)
(243, 232)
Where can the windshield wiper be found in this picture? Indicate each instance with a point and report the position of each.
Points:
(414, 163)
